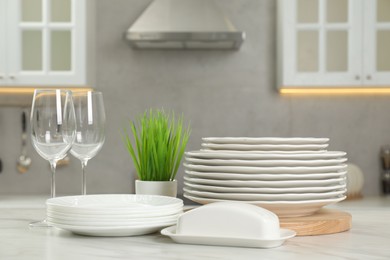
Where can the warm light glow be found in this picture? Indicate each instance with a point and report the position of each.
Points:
(29, 90)
(335, 91)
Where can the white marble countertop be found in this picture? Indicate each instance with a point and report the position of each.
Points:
(369, 238)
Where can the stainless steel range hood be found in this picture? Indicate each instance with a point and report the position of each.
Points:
(184, 24)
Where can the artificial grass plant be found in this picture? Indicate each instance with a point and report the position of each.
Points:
(159, 144)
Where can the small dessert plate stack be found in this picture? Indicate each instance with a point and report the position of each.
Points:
(113, 214)
(289, 176)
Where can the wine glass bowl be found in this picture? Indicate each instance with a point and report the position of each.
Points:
(90, 128)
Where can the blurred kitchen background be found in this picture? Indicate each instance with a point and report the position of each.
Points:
(221, 93)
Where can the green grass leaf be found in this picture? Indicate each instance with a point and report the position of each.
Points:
(159, 144)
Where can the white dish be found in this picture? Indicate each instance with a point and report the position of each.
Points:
(265, 140)
(92, 223)
(227, 241)
(115, 212)
(268, 163)
(280, 208)
(268, 184)
(266, 147)
(113, 203)
(108, 222)
(112, 217)
(266, 197)
(111, 231)
(260, 189)
(265, 177)
(209, 154)
(277, 170)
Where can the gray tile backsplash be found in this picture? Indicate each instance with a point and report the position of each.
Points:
(222, 93)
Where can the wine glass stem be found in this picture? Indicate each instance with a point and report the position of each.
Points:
(53, 165)
(84, 177)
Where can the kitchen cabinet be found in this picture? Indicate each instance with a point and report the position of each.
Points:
(42, 43)
(333, 43)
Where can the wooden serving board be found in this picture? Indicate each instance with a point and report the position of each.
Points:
(325, 221)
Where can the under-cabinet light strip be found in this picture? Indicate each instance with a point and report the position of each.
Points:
(335, 91)
(28, 90)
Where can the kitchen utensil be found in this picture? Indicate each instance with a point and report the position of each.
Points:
(266, 147)
(266, 177)
(266, 183)
(53, 129)
(265, 140)
(355, 181)
(113, 214)
(266, 197)
(23, 163)
(231, 224)
(261, 190)
(254, 155)
(267, 163)
(280, 208)
(385, 176)
(268, 170)
(385, 155)
(90, 129)
(386, 182)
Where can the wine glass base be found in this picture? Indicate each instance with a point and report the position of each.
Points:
(39, 224)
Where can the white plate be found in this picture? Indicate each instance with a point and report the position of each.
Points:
(268, 163)
(265, 140)
(228, 241)
(260, 189)
(113, 203)
(266, 177)
(109, 216)
(281, 208)
(92, 223)
(267, 197)
(269, 184)
(111, 231)
(269, 170)
(113, 212)
(108, 222)
(266, 147)
(209, 154)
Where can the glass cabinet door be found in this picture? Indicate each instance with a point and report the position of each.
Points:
(377, 43)
(321, 45)
(46, 42)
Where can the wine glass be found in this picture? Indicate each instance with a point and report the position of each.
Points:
(53, 129)
(90, 128)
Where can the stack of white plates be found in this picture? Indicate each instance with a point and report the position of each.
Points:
(114, 214)
(289, 176)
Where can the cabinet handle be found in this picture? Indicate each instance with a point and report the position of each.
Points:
(1, 76)
(368, 77)
(12, 77)
(357, 77)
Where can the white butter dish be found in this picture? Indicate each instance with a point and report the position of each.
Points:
(229, 224)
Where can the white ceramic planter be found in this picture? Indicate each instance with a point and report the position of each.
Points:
(164, 188)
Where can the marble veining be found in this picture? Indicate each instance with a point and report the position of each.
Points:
(369, 238)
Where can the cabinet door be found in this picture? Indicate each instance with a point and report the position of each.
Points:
(321, 42)
(46, 42)
(377, 43)
(2, 42)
